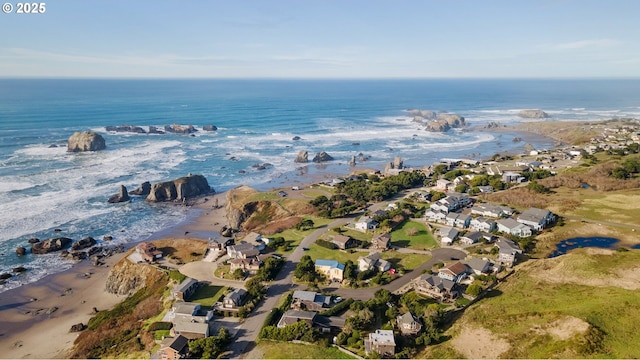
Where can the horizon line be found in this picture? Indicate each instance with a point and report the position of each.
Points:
(322, 78)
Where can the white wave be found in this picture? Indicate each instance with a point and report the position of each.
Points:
(42, 150)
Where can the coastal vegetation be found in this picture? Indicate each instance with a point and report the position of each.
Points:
(287, 350)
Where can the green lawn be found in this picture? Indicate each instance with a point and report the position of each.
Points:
(408, 261)
(421, 240)
(294, 237)
(208, 295)
(285, 350)
(318, 252)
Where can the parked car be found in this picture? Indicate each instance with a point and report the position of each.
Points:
(282, 193)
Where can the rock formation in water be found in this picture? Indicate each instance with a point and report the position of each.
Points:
(126, 128)
(533, 114)
(143, 190)
(210, 128)
(179, 189)
(445, 122)
(303, 157)
(85, 141)
(322, 157)
(83, 244)
(50, 245)
(122, 196)
(180, 129)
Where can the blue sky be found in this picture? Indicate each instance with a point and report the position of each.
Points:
(323, 39)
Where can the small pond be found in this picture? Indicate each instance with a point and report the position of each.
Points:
(581, 242)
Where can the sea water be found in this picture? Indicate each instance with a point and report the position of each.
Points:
(44, 188)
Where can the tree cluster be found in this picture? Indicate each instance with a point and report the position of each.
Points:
(297, 331)
(210, 347)
(306, 270)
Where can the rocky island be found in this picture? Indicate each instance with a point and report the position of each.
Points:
(437, 122)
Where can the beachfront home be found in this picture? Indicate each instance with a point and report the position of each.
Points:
(381, 342)
(148, 252)
(190, 312)
(185, 289)
(332, 269)
(447, 235)
(381, 242)
(242, 250)
(508, 251)
(173, 348)
(343, 242)
(482, 224)
(408, 324)
(234, 299)
(510, 226)
(536, 218)
(373, 261)
(455, 272)
(310, 300)
(365, 224)
(436, 287)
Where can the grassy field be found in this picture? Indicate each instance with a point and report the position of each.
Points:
(208, 295)
(421, 240)
(294, 237)
(532, 309)
(283, 350)
(408, 261)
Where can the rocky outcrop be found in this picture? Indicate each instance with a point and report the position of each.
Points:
(85, 141)
(445, 122)
(210, 128)
(179, 189)
(322, 157)
(180, 129)
(154, 130)
(122, 196)
(33, 240)
(296, 138)
(50, 245)
(19, 269)
(21, 251)
(303, 157)
(83, 244)
(421, 115)
(352, 162)
(533, 114)
(126, 128)
(143, 190)
(77, 327)
(125, 278)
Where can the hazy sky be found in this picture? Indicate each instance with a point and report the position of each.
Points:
(323, 39)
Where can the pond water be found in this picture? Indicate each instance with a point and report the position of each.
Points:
(579, 242)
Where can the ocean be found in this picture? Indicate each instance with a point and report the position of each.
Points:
(44, 188)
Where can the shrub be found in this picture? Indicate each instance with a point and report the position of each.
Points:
(326, 244)
(160, 325)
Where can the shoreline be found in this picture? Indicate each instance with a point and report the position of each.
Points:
(25, 335)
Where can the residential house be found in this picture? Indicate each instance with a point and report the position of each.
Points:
(220, 243)
(185, 289)
(512, 177)
(173, 348)
(508, 251)
(441, 184)
(490, 210)
(455, 272)
(471, 238)
(381, 242)
(479, 266)
(434, 215)
(482, 224)
(510, 226)
(381, 342)
(485, 189)
(536, 218)
(447, 235)
(310, 300)
(436, 287)
(148, 251)
(365, 224)
(343, 242)
(190, 312)
(256, 240)
(250, 265)
(452, 202)
(408, 324)
(332, 269)
(458, 220)
(293, 316)
(190, 330)
(235, 299)
(242, 250)
(373, 261)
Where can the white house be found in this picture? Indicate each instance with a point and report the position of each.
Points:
(365, 224)
(447, 235)
(483, 224)
(536, 218)
(510, 226)
(373, 261)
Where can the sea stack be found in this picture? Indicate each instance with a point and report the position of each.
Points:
(303, 157)
(85, 141)
(122, 196)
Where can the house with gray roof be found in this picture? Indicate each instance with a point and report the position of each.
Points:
(235, 299)
(536, 218)
(381, 242)
(373, 261)
(343, 242)
(293, 316)
(508, 251)
(408, 324)
(471, 237)
(448, 235)
(381, 342)
(242, 250)
(510, 226)
(173, 348)
(310, 300)
(437, 287)
(479, 266)
(482, 224)
(185, 289)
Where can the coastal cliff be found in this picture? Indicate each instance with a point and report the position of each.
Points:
(125, 277)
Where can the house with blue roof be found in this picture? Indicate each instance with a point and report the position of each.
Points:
(332, 269)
